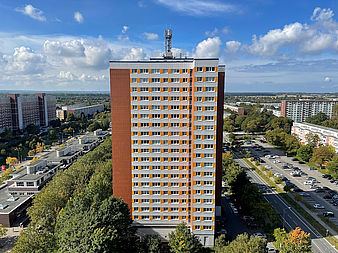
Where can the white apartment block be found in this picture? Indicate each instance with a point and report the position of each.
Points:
(328, 136)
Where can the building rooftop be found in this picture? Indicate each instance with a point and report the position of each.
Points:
(321, 127)
(8, 203)
(162, 59)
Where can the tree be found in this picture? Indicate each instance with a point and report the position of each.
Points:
(244, 243)
(274, 136)
(39, 147)
(181, 240)
(322, 154)
(291, 144)
(220, 243)
(296, 241)
(333, 167)
(3, 231)
(12, 161)
(305, 152)
(283, 123)
(150, 244)
(312, 139)
(228, 125)
(317, 119)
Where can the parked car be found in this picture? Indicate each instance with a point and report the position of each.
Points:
(259, 235)
(301, 162)
(308, 183)
(328, 214)
(318, 206)
(294, 159)
(312, 168)
(318, 190)
(270, 249)
(304, 194)
(313, 186)
(326, 176)
(327, 196)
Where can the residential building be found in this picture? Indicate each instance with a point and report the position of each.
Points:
(17, 112)
(300, 110)
(238, 110)
(79, 109)
(167, 118)
(327, 136)
(5, 114)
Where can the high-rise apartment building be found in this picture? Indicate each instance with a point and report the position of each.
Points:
(300, 110)
(17, 112)
(167, 118)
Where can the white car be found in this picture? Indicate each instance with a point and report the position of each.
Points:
(318, 206)
(259, 235)
(304, 194)
(268, 167)
(268, 156)
(276, 161)
(308, 183)
(276, 156)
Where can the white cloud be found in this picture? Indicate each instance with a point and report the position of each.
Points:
(302, 39)
(198, 7)
(327, 79)
(232, 46)
(85, 77)
(25, 61)
(78, 17)
(66, 75)
(70, 48)
(151, 36)
(32, 12)
(225, 30)
(211, 33)
(124, 29)
(208, 48)
(135, 54)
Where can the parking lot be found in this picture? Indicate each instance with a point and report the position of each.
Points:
(317, 191)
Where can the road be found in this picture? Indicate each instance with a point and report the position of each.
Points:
(290, 217)
(314, 198)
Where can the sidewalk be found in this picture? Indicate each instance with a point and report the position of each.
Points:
(8, 242)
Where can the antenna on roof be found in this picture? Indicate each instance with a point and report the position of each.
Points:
(168, 36)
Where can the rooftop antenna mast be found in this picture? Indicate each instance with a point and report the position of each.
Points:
(168, 36)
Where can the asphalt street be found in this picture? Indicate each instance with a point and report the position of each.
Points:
(290, 217)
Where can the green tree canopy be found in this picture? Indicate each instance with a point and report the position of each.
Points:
(296, 241)
(305, 152)
(322, 154)
(333, 167)
(317, 119)
(181, 240)
(244, 243)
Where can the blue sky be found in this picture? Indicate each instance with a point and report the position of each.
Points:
(267, 45)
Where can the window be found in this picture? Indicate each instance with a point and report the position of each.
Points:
(144, 80)
(144, 209)
(155, 80)
(210, 79)
(207, 218)
(175, 80)
(208, 137)
(156, 200)
(134, 89)
(155, 89)
(19, 184)
(156, 217)
(209, 108)
(208, 155)
(144, 89)
(155, 71)
(197, 227)
(175, 98)
(156, 192)
(175, 89)
(197, 209)
(208, 174)
(197, 218)
(198, 88)
(134, 71)
(210, 69)
(144, 98)
(198, 117)
(207, 227)
(156, 107)
(156, 209)
(165, 80)
(199, 99)
(207, 191)
(198, 108)
(175, 107)
(208, 201)
(144, 71)
(144, 107)
(209, 99)
(209, 88)
(29, 183)
(144, 133)
(199, 79)
(207, 182)
(165, 71)
(156, 116)
(184, 80)
(209, 127)
(199, 69)
(207, 209)
(175, 71)
(144, 141)
(208, 146)
(184, 71)
(174, 217)
(156, 142)
(198, 137)
(156, 167)
(156, 150)
(209, 118)
(134, 98)
(198, 146)
(175, 184)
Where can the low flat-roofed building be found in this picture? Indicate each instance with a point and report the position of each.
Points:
(327, 136)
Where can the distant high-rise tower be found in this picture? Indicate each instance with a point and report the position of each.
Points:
(167, 123)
